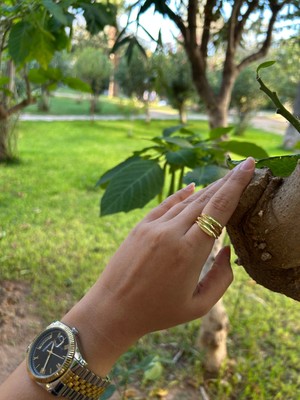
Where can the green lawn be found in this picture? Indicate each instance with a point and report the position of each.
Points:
(81, 106)
(52, 236)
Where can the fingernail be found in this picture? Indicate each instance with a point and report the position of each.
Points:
(248, 164)
(190, 187)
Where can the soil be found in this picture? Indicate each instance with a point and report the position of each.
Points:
(19, 323)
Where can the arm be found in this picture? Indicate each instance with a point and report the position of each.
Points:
(151, 282)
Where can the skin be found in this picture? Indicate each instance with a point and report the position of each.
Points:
(152, 281)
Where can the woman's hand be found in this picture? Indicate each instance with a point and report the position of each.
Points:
(151, 282)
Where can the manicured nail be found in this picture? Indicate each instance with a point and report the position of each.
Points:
(190, 187)
(248, 164)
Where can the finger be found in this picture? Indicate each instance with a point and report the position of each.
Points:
(194, 203)
(224, 202)
(201, 197)
(214, 284)
(169, 202)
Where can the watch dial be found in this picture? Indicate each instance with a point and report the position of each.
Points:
(49, 352)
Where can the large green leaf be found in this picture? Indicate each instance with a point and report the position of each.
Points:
(132, 187)
(217, 133)
(56, 10)
(37, 76)
(205, 175)
(43, 47)
(20, 41)
(182, 158)
(178, 141)
(244, 149)
(169, 131)
(98, 16)
(281, 166)
(107, 176)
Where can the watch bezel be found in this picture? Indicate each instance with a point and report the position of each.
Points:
(69, 358)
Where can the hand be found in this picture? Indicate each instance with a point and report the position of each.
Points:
(151, 282)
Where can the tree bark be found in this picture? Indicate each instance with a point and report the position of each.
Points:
(264, 231)
(212, 338)
(292, 136)
(182, 114)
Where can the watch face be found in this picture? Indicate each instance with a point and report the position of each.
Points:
(50, 354)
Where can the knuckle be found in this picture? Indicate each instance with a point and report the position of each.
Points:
(220, 203)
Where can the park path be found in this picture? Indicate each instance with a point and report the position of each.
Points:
(269, 122)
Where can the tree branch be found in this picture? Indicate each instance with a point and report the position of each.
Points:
(280, 107)
(266, 44)
(24, 103)
(208, 18)
(231, 44)
(192, 22)
(241, 24)
(177, 20)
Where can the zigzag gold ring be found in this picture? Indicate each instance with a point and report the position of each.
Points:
(209, 225)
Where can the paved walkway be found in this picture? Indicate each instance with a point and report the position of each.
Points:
(269, 122)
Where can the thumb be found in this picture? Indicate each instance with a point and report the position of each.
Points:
(214, 284)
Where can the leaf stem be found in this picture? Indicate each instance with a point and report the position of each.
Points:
(280, 107)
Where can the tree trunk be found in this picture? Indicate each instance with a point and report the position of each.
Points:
(5, 150)
(182, 114)
(265, 230)
(212, 338)
(292, 136)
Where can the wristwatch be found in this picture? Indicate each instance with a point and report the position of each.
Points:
(55, 362)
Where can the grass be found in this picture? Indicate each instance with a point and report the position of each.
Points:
(80, 105)
(51, 236)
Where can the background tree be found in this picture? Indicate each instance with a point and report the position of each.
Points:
(135, 77)
(174, 80)
(246, 99)
(34, 31)
(205, 26)
(93, 67)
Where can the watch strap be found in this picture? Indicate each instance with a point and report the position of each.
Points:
(79, 383)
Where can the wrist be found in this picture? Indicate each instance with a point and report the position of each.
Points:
(103, 333)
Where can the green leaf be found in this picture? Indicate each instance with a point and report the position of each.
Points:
(244, 149)
(42, 47)
(108, 392)
(56, 10)
(154, 372)
(20, 41)
(182, 158)
(4, 80)
(216, 133)
(107, 176)
(37, 76)
(266, 64)
(168, 131)
(77, 84)
(205, 175)
(132, 187)
(281, 166)
(98, 16)
(178, 141)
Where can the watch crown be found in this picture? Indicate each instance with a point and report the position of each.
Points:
(74, 330)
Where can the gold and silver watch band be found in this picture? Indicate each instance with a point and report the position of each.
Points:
(79, 383)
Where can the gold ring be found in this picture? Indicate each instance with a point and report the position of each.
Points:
(209, 225)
